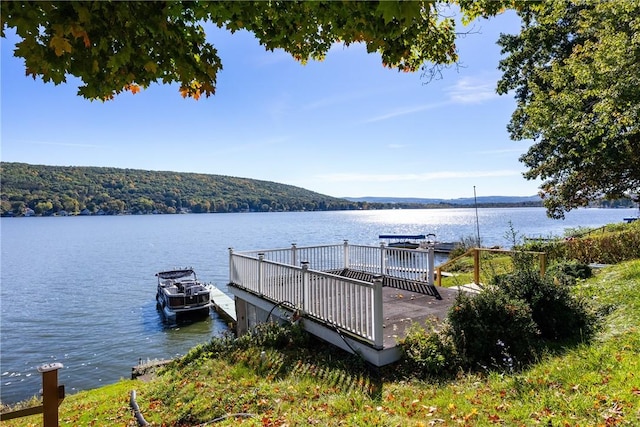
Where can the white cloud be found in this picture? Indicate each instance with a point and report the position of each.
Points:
(404, 112)
(63, 144)
(431, 176)
(397, 146)
(471, 90)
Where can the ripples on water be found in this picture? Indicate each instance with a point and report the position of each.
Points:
(81, 291)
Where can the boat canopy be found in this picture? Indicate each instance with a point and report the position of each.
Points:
(402, 236)
(176, 274)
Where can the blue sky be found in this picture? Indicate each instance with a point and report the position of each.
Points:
(345, 127)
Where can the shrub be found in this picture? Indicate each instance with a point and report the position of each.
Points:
(463, 245)
(557, 313)
(274, 335)
(492, 329)
(568, 271)
(428, 352)
(609, 248)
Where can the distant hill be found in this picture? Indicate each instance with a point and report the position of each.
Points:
(60, 190)
(39, 190)
(485, 200)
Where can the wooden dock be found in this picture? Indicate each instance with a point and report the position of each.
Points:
(223, 305)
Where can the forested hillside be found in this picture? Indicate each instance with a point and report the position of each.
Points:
(50, 190)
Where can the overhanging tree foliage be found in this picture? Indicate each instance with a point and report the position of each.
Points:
(575, 70)
(125, 46)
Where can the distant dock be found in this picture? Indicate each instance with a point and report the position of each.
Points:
(444, 247)
(223, 305)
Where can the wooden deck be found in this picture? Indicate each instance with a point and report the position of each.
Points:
(402, 308)
(340, 302)
(405, 302)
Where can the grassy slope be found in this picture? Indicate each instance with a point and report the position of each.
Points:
(586, 385)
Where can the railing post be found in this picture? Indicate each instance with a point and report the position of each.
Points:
(260, 272)
(294, 254)
(378, 316)
(543, 264)
(382, 259)
(476, 266)
(52, 395)
(345, 255)
(431, 264)
(231, 275)
(305, 285)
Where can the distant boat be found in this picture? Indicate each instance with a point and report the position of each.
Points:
(180, 294)
(404, 241)
(417, 241)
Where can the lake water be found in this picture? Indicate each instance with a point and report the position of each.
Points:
(81, 290)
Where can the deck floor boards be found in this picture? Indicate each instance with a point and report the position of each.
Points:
(402, 308)
(405, 302)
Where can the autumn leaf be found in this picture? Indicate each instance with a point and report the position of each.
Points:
(494, 418)
(60, 45)
(77, 32)
(151, 67)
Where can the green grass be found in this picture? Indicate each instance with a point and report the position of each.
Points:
(586, 384)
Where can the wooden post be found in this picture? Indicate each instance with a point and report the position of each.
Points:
(543, 264)
(378, 317)
(52, 395)
(476, 266)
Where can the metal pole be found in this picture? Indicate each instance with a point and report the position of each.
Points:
(477, 222)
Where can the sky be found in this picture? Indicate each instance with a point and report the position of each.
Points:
(343, 127)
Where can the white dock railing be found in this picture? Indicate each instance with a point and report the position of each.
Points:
(408, 264)
(301, 278)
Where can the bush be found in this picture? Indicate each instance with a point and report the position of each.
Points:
(427, 352)
(567, 272)
(274, 335)
(463, 245)
(614, 244)
(493, 329)
(557, 313)
(609, 248)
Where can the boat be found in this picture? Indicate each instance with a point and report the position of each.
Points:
(404, 241)
(180, 294)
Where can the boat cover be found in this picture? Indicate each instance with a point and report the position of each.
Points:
(402, 236)
(175, 274)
